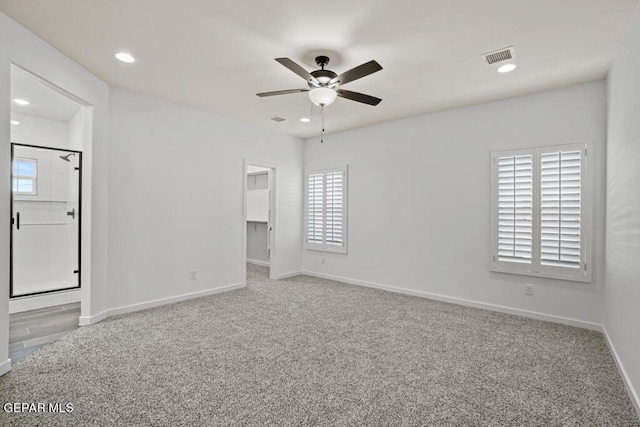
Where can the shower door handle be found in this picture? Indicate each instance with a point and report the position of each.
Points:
(17, 220)
(72, 213)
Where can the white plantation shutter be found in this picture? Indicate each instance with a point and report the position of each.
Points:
(515, 208)
(539, 221)
(560, 208)
(334, 208)
(326, 210)
(315, 208)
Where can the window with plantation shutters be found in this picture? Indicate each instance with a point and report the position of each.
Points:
(539, 213)
(326, 204)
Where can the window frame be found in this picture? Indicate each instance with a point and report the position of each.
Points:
(33, 178)
(324, 246)
(536, 268)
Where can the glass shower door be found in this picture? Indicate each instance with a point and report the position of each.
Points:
(45, 233)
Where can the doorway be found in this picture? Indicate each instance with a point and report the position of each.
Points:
(50, 129)
(46, 217)
(259, 219)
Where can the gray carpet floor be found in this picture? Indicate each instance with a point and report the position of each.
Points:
(305, 351)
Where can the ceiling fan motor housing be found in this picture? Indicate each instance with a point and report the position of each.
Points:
(323, 76)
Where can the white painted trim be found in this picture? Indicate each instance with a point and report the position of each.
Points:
(5, 367)
(633, 394)
(258, 262)
(289, 274)
(18, 305)
(164, 301)
(461, 301)
(90, 320)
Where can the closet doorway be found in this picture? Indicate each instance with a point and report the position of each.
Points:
(259, 217)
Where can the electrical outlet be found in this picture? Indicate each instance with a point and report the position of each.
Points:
(528, 290)
(322, 260)
(193, 274)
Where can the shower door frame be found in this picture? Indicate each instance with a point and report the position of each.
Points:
(62, 150)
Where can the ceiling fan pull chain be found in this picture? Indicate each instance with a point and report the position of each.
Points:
(322, 125)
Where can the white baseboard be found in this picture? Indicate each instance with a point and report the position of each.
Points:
(170, 300)
(633, 394)
(90, 320)
(289, 274)
(462, 301)
(17, 305)
(5, 367)
(258, 262)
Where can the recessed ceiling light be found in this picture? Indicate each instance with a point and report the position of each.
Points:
(305, 119)
(125, 57)
(506, 68)
(15, 122)
(21, 101)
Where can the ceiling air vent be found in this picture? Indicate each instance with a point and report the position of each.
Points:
(501, 55)
(277, 119)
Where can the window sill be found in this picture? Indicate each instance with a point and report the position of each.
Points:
(322, 248)
(585, 278)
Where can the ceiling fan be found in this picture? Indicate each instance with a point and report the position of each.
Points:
(324, 85)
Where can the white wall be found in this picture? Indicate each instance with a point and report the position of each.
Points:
(38, 131)
(419, 200)
(176, 198)
(23, 48)
(76, 130)
(257, 243)
(622, 279)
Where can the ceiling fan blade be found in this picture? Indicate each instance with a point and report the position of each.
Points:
(298, 70)
(281, 92)
(358, 97)
(356, 73)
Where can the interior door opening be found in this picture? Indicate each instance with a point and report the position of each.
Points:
(50, 128)
(260, 218)
(46, 214)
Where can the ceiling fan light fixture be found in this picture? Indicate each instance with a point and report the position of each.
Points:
(322, 96)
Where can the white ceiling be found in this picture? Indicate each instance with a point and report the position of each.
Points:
(45, 102)
(216, 54)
